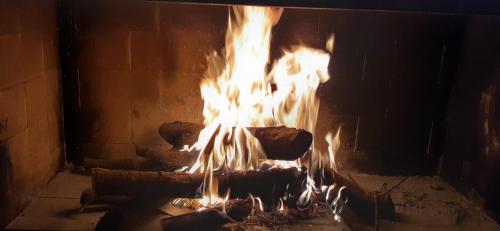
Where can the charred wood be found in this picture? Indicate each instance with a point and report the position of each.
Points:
(171, 158)
(361, 202)
(179, 133)
(207, 219)
(269, 185)
(279, 143)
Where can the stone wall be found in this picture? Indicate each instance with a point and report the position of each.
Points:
(31, 147)
(132, 65)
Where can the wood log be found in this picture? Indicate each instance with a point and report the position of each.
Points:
(269, 185)
(238, 210)
(210, 219)
(136, 163)
(179, 133)
(89, 197)
(279, 143)
(207, 219)
(360, 201)
(282, 143)
(172, 158)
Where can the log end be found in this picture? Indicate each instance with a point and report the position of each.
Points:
(179, 133)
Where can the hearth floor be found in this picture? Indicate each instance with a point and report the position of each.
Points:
(422, 204)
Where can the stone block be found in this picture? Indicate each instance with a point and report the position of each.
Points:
(146, 53)
(30, 53)
(106, 150)
(105, 106)
(9, 57)
(13, 118)
(189, 33)
(180, 97)
(37, 16)
(9, 18)
(50, 51)
(36, 98)
(116, 14)
(104, 49)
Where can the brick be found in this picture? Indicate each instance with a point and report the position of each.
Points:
(43, 106)
(37, 16)
(179, 23)
(146, 52)
(50, 51)
(36, 98)
(9, 57)
(147, 114)
(38, 148)
(104, 50)
(105, 100)
(146, 86)
(194, 17)
(53, 79)
(22, 163)
(190, 51)
(12, 111)
(54, 110)
(116, 14)
(21, 58)
(180, 97)
(297, 27)
(30, 55)
(9, 18)
(146, 120)
(106, 150)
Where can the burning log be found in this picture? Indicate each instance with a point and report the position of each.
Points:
(279, 143)
(361, 202)
(172, 158)
(238, 210)
(282, 143)
(179, 133)
(207, 219)
(269, 185)
(210, 219)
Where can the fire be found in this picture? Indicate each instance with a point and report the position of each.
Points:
(237, 94)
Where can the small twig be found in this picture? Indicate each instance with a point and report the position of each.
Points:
(395, 186)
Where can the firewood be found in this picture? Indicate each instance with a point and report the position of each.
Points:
(269, 185)
(279, 143)
(179, 133)
(282, 143)
(136, 163)
(89, 197)
(360, 201)
(238, 210)
(172, 158)
(207, 219)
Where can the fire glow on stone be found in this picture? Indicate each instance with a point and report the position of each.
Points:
(237, 94)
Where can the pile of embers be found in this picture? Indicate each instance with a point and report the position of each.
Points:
(269, 197)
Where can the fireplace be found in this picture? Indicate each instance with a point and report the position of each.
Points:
(249, 116)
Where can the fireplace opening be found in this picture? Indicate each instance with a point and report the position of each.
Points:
(229, 115)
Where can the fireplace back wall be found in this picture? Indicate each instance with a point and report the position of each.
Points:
(129, 66)
(31, 145)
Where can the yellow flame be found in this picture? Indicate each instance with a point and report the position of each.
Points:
(237, 93)
(333, 147)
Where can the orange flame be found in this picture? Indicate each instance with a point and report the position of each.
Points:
(236, 90)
